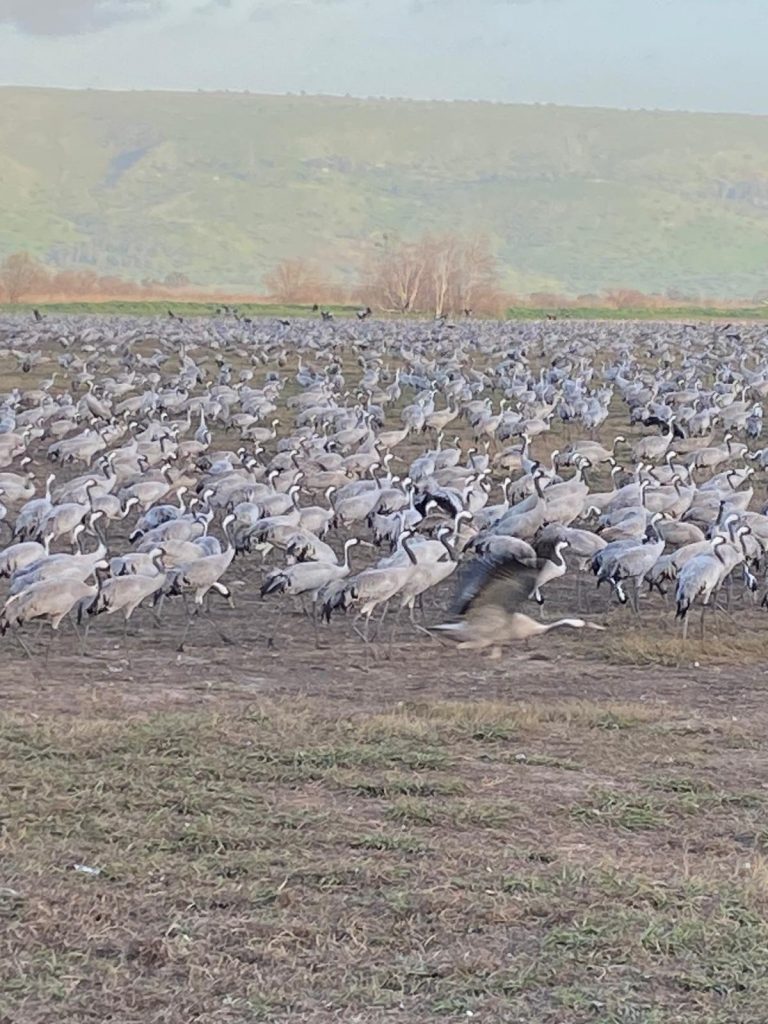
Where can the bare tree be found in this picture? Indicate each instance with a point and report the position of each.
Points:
(477, 281)
(439, 274)
(393, 276)
(441, 257)
(21, 275)
(294, 280)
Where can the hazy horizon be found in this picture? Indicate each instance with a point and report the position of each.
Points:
(393, 97)
(687, 55)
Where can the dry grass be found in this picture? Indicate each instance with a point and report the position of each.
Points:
(596, 856)
(541, 861)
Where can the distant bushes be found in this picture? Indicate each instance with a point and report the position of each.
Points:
(23, 278)
(437, 275)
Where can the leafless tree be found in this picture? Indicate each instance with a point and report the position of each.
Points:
(477, 280)
(293, 280)
(393, 276)
(21, 275)
(439, 274)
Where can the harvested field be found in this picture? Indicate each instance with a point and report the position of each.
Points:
(261, 829)
(272, 834)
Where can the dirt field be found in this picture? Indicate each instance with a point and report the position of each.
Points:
(264, 831)
(260, 830)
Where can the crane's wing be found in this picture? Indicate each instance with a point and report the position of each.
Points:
(493, 580)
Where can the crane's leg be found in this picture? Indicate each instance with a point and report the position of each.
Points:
(318, 645)
(364, 634)
(685, 627)
(48, 649)
(78, 634)
(224, 636)
(366, 641)
(186, 632)
(395, 626)
(381, 620)
(23, 646)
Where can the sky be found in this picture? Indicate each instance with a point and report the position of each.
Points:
(669, 54)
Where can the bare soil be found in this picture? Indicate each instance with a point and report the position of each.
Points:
(264, 830)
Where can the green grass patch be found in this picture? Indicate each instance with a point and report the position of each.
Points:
(617, 810)
(270, 861)
(190, 308)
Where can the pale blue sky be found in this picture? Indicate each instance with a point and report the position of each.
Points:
(674, 54)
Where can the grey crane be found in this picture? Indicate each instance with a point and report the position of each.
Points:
(374, 587)
(425, 575)
(550, 564)
(698, 579)
(201, 576)
(18, 556)
(490, 593)
(47, 600)
(631, 564)
(125, 593)
(307, 577)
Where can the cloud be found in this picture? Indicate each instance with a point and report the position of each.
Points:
(419, 6)
(264, 9)
(213, 5)
(72, 17)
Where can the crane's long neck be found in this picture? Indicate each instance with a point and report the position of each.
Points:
(448, 547)
(573, 623)
(347, 548)
(458, 520)
(409, 551)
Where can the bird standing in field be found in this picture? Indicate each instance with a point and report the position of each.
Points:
(489, 594)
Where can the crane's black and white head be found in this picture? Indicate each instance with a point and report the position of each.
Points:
(717, 544)
(561, 544)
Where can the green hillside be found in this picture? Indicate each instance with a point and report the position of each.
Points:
(221, 186)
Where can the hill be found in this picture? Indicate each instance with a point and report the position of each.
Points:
(222, 186)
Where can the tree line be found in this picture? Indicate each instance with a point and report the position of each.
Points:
(23, 277)
(437, 274)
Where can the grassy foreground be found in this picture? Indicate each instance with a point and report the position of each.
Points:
(256, 309)
(547, 861)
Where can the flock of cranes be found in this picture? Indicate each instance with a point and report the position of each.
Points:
(358, 466)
